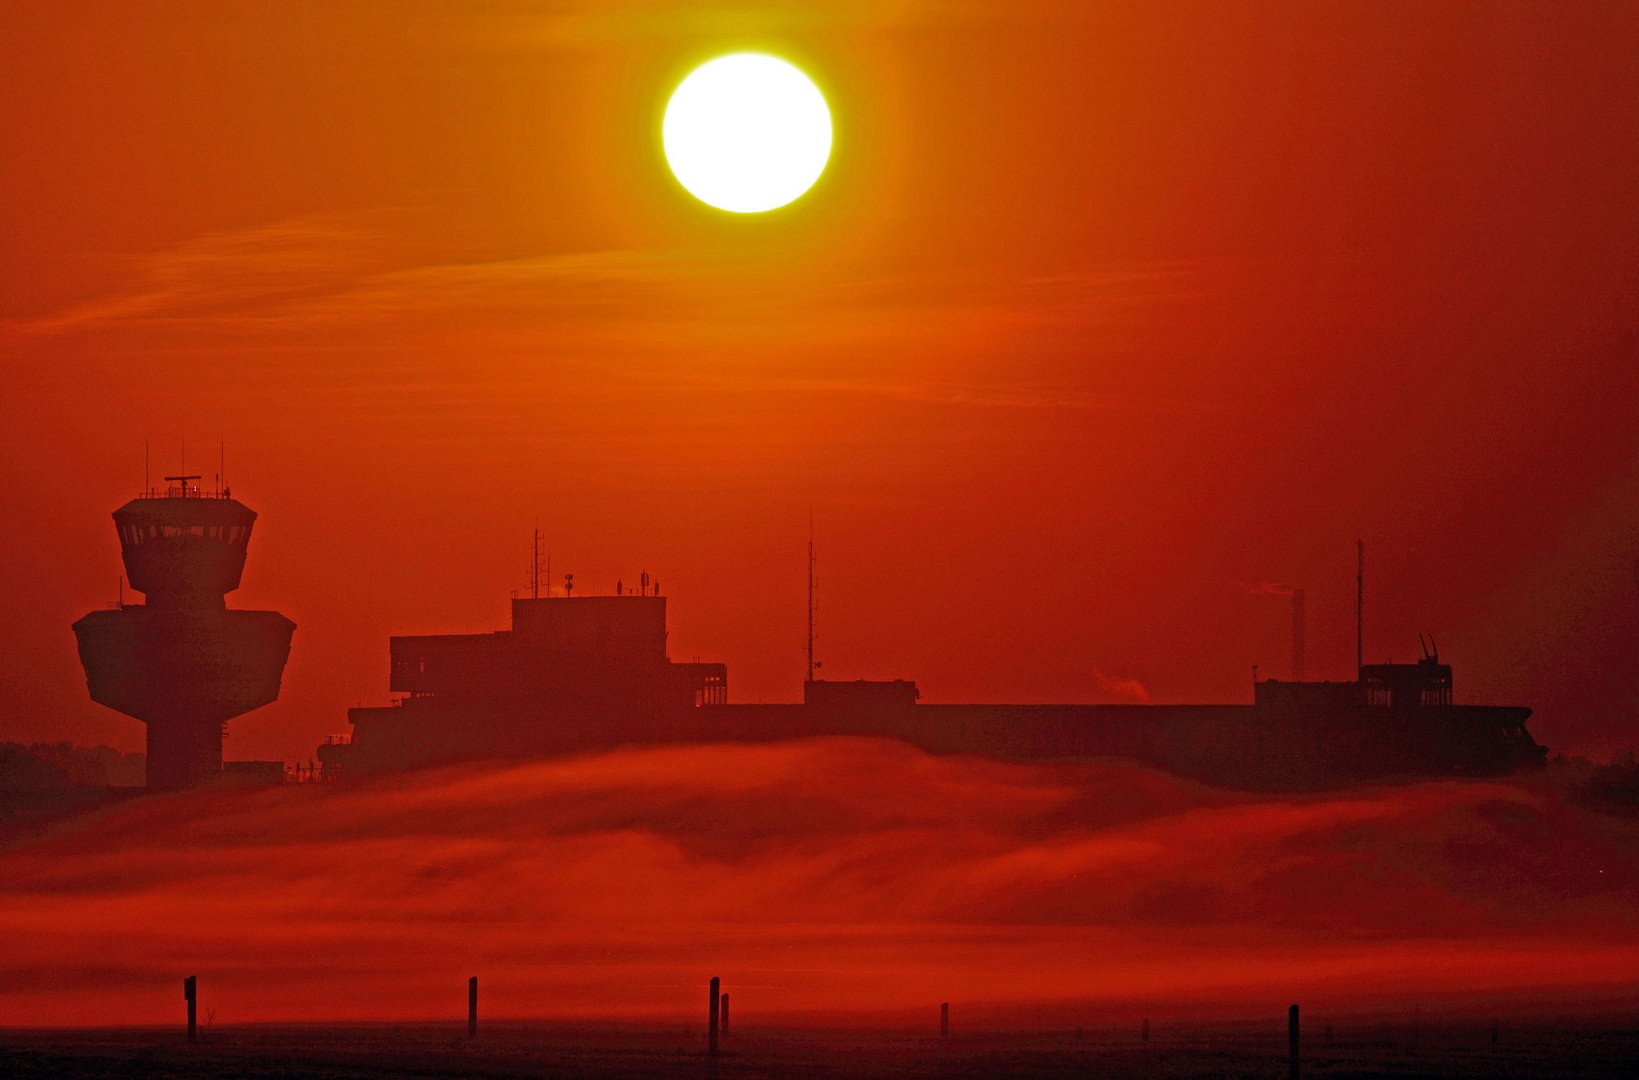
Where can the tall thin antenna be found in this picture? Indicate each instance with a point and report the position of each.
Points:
(147, 485)
(1360, 610)
(1299, 632)
(535, 566)
(811, 584)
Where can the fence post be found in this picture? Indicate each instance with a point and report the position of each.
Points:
(472, 1007)
(944, 1019)
(190, 990)
(1292, 1039)
(711, 1029)
(723, 1027)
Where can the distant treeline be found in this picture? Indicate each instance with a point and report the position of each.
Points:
(1612, 786)
(46, 779)
(62, 764)
(44, 782)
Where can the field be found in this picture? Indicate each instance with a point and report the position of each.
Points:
(841, 889)
(1365, 1049)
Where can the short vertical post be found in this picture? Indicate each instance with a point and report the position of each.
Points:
(1292, 1039)
(472, 1007)
(711, 1026)
(190, 991)
(944, 1019)
(723, 1026)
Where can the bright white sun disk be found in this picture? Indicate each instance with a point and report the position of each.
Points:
(747, 133)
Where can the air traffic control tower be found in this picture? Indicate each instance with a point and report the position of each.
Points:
(182, 663)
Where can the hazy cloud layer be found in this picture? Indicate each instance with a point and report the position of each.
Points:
(814, 877)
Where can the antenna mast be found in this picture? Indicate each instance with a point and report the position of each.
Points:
(535, 566)
(1300, 670)
(810, 676)
(1359, 609)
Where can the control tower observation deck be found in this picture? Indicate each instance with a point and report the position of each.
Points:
(182, 662)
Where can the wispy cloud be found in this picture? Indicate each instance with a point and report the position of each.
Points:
(330, 268)
(381, 264)
(230, 273)
(377, 275)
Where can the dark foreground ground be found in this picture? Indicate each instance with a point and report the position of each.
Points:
(517, 1050)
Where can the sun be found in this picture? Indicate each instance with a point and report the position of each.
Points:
(747, 133)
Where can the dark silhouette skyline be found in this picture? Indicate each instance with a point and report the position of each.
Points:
(576, 672)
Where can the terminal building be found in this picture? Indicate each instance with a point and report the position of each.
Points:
(569, 672)
(578, 673)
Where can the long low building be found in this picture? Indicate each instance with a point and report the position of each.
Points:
(580, 673)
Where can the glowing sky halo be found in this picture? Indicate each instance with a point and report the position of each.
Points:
(747, 133)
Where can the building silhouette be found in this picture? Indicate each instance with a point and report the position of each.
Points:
(182, 662)
(577, 673)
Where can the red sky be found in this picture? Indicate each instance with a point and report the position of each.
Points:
(818, 878)
(1102, 314)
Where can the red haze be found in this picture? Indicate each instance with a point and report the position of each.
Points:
(817, 877)
(1102, 309)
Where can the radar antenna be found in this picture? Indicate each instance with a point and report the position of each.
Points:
(183, 481)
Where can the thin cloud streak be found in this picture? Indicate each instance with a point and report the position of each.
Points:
(343, 278)
(341, 269)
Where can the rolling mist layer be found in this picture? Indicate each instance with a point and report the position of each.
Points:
(820, 879)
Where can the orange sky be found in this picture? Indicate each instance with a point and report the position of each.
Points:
(1101, 314)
